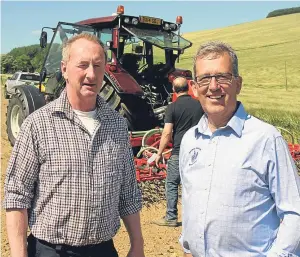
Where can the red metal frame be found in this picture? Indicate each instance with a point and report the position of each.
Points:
(295, 151)
(148, 172)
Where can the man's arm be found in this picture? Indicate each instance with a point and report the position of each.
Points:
(21, 174)
(131, 203)
(284, 184)
(133, 225)
(164, 141)
(17, 223)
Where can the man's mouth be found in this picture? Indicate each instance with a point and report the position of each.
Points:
(215, 96)
(88, 85)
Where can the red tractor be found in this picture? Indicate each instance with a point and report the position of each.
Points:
(142, 53)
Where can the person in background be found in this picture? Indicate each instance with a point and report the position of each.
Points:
(239, 180)
(71, 174)
(180, 115)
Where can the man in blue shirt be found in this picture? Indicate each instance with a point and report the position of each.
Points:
(241, 191)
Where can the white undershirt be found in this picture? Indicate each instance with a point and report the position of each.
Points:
(88, 119)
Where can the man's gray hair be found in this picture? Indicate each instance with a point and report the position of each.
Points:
(217, 48)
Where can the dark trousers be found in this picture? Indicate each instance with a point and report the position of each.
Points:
(172, 184)
(40, 248)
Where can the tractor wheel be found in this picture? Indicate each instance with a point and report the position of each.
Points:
(109, 94)
(16, 113)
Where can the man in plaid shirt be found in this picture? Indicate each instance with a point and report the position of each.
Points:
(71, 174)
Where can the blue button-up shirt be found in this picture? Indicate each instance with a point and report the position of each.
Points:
(238, 183)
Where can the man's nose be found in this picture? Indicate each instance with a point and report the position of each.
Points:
(90, 72)
(213, 85)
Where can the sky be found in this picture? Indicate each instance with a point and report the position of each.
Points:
(22, 21)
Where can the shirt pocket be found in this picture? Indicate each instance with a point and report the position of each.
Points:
(240, 186)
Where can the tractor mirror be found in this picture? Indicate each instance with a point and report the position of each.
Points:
(136, 48)
(43, 39)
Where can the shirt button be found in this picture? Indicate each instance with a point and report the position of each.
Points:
(209, 165)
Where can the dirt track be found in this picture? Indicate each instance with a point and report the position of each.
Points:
(159, 241)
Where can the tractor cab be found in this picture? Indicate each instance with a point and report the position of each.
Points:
(142, 53)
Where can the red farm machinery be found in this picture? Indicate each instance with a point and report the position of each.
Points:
(142, 53)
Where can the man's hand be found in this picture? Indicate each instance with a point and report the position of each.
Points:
(136, 252)
(187, 255)
(157, 159)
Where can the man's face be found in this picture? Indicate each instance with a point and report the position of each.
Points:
(217, 99)
(84, 70)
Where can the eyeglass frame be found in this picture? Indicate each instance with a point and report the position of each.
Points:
(214, 76)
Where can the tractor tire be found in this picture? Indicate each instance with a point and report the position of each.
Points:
(23, 102)
(113, 100)
(138, 113)
(16, 114)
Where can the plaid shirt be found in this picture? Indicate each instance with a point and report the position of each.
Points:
(76, 186)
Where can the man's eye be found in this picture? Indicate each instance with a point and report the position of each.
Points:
(82, 65)
(205, 80)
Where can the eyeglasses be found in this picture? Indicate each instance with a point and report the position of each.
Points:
(221, 78)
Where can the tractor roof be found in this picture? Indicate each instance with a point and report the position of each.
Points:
(108, 21)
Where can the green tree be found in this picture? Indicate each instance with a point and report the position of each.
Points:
(7, 63)
(286, 11)
(23, 63)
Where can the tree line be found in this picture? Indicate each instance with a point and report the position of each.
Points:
(26, 58)
(286, 11)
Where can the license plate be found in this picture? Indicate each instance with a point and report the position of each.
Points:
(150, 20)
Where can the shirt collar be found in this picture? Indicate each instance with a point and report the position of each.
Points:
(236, 123)
(63, 105)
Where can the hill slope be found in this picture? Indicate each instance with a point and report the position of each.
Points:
(262, 46)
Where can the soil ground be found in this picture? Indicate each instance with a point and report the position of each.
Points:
(159, 241)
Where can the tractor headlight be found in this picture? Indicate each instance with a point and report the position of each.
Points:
(166, 26)
(173, 26)
(127, 20)
(135, 21)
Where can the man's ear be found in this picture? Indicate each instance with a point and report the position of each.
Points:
(194, 87)
(63, 67)
(239, 81)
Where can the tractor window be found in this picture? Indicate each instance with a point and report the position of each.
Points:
(62, 34)
(132, 42)
(106, 36)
